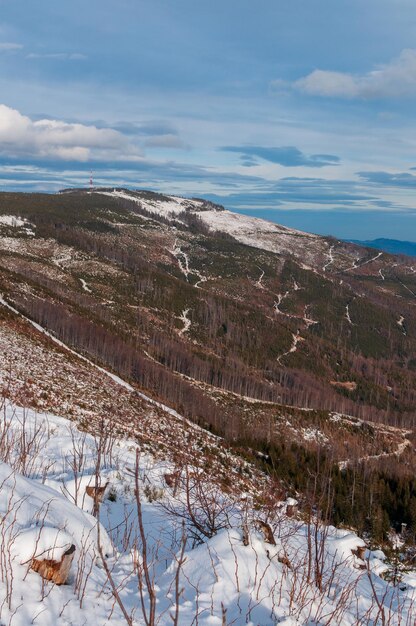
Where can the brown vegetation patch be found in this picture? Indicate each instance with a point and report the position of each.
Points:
(348, 385)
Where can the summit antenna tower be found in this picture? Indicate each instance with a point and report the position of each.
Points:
(91, 182)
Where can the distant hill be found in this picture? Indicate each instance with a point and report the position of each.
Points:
(389, 245)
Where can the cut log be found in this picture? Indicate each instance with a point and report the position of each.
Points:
(96, 493)
(56, 571)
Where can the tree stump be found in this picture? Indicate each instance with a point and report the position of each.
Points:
(56, 571)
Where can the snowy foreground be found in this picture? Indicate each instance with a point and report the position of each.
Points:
(170, 547)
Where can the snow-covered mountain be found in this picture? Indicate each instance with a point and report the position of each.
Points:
(248, 230)
(249, 364)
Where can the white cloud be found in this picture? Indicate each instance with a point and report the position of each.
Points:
(21, 136)
(59, 56)
(395, 79)
(8, 46)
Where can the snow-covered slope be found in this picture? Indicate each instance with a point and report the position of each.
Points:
(227, 576)
(167, 207)
(315, 252)
(251, 231)
(257, 232)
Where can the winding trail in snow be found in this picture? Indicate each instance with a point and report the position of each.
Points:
(380, 271)
(280, 297)
(182, 258)
(186, 322)
(400, 322)
(356, 266)
(295, 340)
(403, 445)
(330, 257)
(308, 320)
(201, 277)
(184, 265)
(58, 261)
(347, 315)
(259, 283)
(85, 286)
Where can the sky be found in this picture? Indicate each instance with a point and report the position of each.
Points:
(300, 112)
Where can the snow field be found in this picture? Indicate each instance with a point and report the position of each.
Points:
(45, 509)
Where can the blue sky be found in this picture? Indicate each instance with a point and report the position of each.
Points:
(301, 112)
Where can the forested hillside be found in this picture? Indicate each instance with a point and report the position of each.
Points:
(298, 349)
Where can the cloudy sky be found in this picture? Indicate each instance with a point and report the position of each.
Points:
(299, 111)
